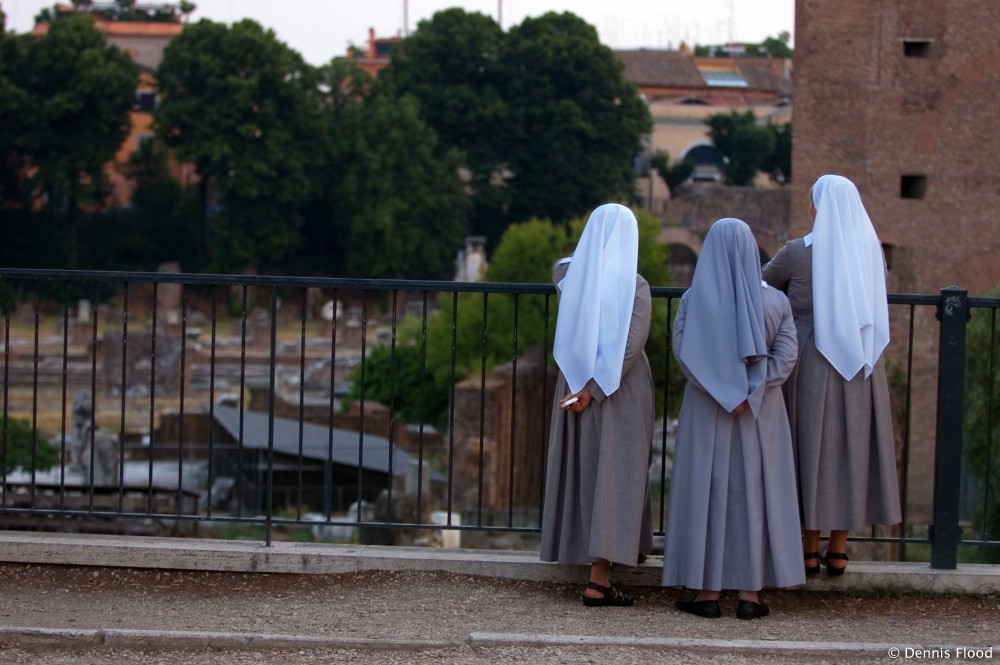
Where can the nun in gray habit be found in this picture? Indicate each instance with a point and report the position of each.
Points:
(597, 504)
(733, 519)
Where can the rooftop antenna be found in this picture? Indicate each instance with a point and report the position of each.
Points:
(732, 21)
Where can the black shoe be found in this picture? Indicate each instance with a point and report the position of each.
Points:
(708, 609)
(612, 596)
(827, 556)
(811, 570)
(747, 609)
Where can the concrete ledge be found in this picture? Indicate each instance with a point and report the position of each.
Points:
(324, 559)
(231, 641)
(172, 640)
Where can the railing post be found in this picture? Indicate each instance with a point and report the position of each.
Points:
(953, 313)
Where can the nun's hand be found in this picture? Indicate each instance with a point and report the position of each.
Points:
(741, 407)
(583, 400)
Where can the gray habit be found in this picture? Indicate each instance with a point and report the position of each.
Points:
(845, 454)
(597, 503)
(733, 519)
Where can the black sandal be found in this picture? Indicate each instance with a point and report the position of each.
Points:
(812, 570)
(825, 558)
(613, 597)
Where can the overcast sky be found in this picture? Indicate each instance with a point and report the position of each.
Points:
(322, 29)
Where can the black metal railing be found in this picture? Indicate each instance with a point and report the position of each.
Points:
(390, 411)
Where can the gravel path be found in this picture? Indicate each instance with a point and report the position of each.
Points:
(389, 611)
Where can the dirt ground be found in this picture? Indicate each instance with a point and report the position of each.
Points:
(395, 606)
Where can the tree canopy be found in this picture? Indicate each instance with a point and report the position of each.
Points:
(391, 203)
(579, 124)
(66, 96)
(673, 175)
(747, 147)
(240, 106)
(546, 123)
(320, 170)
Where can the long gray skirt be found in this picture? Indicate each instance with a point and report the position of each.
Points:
(597, 501)
(845, 454)
(733, 519)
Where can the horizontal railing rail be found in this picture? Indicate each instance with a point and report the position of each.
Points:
(383, 410)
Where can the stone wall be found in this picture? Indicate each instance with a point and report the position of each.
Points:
(519, 442)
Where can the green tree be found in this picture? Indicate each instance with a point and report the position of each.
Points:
(163, 216)
(673, 175)
(777, 47)
(21, 446)
(452, 64)
(14, 110)
(578, 122)
(526, 255)
(79, 91)
(982, 416)
(393, 204)
(241, 106)
(743, 143)
(400, 382)
(778, 164)
(546, 123)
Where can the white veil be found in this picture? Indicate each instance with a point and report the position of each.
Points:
(595, 305)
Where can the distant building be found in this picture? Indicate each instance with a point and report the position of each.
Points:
(314, 467)
(683, 90)
(376, 54)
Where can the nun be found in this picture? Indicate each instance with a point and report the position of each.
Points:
(596, 508)
(733, 518)
(838, 395)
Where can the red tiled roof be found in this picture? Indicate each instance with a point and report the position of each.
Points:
(670, 69)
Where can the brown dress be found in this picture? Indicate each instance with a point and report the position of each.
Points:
(845, 455)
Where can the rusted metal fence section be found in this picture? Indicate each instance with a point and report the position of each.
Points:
(390, 411)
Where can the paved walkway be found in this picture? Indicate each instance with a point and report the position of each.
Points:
(149, 599)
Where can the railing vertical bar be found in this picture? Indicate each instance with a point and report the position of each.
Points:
(451, 403)
(513, 419)
(152, 404)
(302, 398)
(4, 436)
(422, 407)
(482, 407)
(545, 412)
(124, 401)
(179, 506)
(95, 401)
(667, 355)
(213, 293)
(989, 423)
(953, 314)
(240, 444)
(905, 484)
(269, 520)
(63, 403)
(328, 466)
(34, 400)
(361, 400)
(392, 401)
